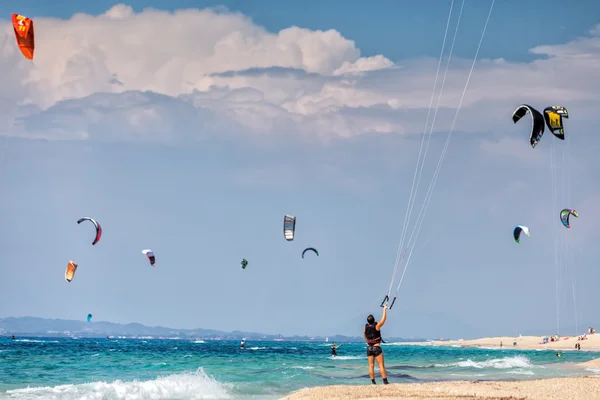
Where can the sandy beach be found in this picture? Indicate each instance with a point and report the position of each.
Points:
(568, 388)
(579, 388)
(591, 342)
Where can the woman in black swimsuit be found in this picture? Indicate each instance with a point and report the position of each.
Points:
(373, 337)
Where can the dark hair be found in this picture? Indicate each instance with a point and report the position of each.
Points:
(370, 319)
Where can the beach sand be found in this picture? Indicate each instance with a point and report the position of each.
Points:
(577, 388)
(592, 342)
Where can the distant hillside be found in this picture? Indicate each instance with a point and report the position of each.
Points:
(33, 326)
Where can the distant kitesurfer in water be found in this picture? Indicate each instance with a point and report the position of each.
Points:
(13, 337)
(333, 350)
(373, 337)
(243, 344)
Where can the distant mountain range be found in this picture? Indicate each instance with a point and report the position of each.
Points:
(33, 326)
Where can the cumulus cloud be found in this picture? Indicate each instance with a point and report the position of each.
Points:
(158, 75)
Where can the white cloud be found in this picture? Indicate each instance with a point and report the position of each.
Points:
(219, 71)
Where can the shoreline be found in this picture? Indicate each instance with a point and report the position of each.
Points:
(584, 386)
(568, 388)
(590, 343)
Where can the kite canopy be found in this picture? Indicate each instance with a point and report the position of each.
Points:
(89, 317)
(289, 227)
(23, 28)
(537, 126)
(565, 214)
(244, 263)
(96, 224)
(518, 230)
(150, 254)
(70, 271)
(311, 249)
(554, 120)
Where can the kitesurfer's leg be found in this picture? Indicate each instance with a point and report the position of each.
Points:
(381, 364)
(372, 369)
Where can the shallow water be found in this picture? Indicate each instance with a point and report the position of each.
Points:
(42, 368)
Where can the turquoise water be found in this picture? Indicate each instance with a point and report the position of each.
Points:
(45, 368)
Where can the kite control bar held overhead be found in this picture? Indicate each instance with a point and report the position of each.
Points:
(385, 300)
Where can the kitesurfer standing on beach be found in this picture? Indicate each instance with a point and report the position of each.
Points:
(373, 337)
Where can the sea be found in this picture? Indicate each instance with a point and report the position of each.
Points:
(67, 368)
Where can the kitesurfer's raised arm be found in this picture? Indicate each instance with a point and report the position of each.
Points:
(383, 318)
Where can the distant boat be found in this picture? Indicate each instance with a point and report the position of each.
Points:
(326, 340)
(278, 340)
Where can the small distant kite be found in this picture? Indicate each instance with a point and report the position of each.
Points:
(244, 263)
(96, 224)
(518, 230)
(70, 271)
(311, 249)
(23, 28)
(537, 126)
(564, 216)
(289, 227)
(150, 254)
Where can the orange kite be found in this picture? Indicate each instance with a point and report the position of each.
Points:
(23, 27)
(70, 271)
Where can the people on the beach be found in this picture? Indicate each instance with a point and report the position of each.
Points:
(334, 350)
(578, 346)
(372, 334)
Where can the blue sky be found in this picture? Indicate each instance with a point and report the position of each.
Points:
(194, 134)
(395, 28)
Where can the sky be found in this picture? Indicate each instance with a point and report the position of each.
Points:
(193, 130)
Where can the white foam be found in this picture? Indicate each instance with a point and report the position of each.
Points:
(348, 357)
(36, 341)
(178, 386)
(521, 372)
(594, 370)
(499, 363)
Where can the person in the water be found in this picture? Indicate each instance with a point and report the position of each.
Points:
(243, 344)
(334, 350)
(374, 352)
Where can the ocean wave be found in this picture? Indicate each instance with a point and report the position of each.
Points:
(499, 363)
(35, 341)
(348, 357)
(521, 372)
(594, 370)
(196, 385)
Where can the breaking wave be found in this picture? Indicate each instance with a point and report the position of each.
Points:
(195, 385)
